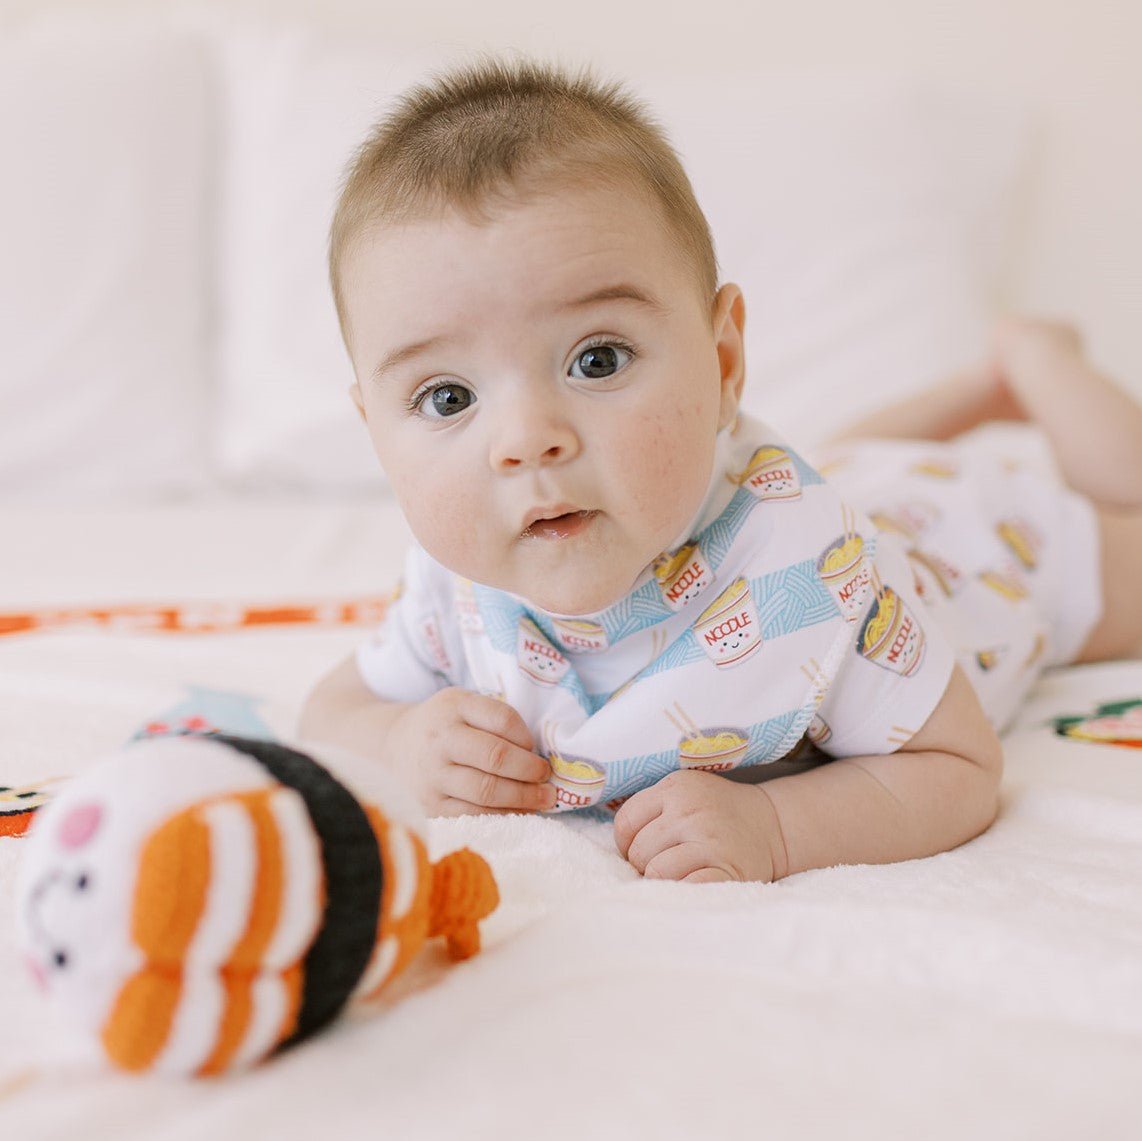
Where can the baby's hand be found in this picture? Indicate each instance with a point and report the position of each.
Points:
(464, 753)
(698, 827)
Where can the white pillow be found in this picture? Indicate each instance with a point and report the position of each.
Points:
(298, 104)
(868, 221)
(864, 219)
(103, 276)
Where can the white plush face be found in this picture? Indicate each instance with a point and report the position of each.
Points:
(80, 865)
(74, 907)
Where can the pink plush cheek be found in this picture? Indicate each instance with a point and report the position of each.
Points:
(37, 972)
(79, 825)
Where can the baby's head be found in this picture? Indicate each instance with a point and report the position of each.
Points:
(528, 293)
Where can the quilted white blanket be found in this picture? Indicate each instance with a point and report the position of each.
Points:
(991, 991)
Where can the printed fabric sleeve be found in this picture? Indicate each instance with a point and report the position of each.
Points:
(414, 651)
(895, 669)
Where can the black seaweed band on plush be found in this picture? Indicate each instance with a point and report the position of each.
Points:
(339, 954)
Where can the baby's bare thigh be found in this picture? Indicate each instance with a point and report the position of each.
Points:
(1118, 632)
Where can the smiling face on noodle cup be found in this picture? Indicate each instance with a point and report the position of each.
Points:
(538, 659)
(771, 474)
(713, 750)
(845, 574)
(729, 629)
(891, 637)
(683, 575)
(578, 783)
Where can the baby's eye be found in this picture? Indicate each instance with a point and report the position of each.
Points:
(443, 400)
(600, 361)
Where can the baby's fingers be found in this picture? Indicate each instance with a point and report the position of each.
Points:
(496, 755)
(485, 791)
(497, 718)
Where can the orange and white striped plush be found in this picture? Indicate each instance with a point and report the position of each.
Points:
(200, 902)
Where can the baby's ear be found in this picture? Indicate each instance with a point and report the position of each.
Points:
(358, 399)
(729, 335)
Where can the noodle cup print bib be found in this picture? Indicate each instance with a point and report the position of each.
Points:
(729, 629)
(578, 636)
(713, 750)
(891, 637)
(683, 575)
(771, 474)
(845, 574)
(538, 659)
(578, 783)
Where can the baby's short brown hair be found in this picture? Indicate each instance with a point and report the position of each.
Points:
(494, 129)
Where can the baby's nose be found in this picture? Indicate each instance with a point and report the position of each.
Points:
(533, 437)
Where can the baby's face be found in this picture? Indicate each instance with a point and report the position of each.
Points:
(543, 390)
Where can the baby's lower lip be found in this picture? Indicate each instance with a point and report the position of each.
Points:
(562, 526)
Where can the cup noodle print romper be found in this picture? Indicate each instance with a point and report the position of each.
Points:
(783, 612)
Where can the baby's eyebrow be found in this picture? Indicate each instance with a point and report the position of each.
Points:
(406, 352)
(621, 292)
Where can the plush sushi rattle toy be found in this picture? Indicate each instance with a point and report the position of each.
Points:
(199, 902)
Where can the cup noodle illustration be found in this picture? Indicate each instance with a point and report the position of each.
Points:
(934, 575)
(729, 629)
(713, 750)
(683, 575)
(818, 731)
(1007, 583)
(537, 658)
(578, 636)
(1022, 540)
(771, 474)
(912, 519)
(845, 573)
(578, 783)
(891, 636)
(468, 616)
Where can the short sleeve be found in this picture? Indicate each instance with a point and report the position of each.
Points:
(894, 671)
(415, 651)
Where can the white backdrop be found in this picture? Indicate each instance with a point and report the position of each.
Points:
(1077, 63)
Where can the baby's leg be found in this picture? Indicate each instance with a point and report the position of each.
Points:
(1095, 428)
(1119, 629)
(946, 410)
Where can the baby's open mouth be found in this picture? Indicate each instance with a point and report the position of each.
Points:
(559, 526)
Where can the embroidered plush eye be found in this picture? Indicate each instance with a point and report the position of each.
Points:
(59, 958)
(82, 881)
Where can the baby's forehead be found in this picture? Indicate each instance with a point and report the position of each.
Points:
(574, 241)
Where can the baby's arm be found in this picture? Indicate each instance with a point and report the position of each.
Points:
(460, 752)
(934, 793)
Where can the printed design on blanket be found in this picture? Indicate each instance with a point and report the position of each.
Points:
(208, 617)
(18, 805)
(206, 712)
(1115, 723)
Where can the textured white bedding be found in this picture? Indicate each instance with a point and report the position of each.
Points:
(992, 991)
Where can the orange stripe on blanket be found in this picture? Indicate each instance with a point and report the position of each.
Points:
(200, 618)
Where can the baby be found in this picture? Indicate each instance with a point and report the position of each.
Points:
(624, 594)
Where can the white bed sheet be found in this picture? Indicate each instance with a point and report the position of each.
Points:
(992, 991)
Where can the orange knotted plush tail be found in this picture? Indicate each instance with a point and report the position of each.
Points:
(463, 892)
